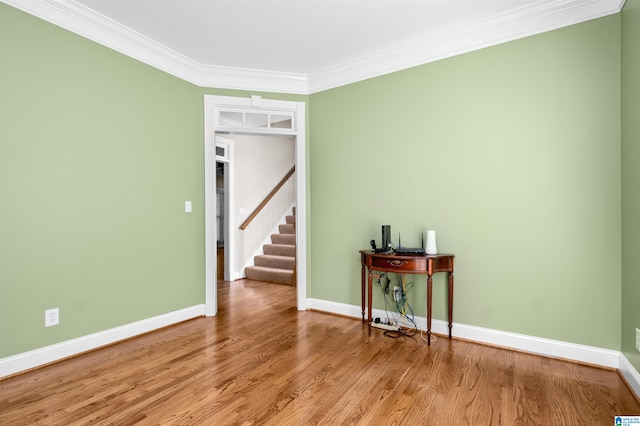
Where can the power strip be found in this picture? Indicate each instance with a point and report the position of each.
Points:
(385, 326)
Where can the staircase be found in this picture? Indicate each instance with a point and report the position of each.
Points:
(278, 263)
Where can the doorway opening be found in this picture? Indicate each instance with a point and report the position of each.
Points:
(220, 222)
(251, 116)
(224, 201)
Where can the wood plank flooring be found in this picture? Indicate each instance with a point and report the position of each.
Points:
(260, 361)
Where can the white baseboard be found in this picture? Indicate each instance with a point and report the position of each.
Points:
(547, 347)
(630, 374)
(41, 356)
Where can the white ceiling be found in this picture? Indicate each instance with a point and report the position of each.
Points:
(304, 46)
(300, 36)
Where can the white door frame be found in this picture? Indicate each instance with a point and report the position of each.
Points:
(212, 105)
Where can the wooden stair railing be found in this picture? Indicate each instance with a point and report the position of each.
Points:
(273, 192)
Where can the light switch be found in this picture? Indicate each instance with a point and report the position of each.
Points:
(187, 206)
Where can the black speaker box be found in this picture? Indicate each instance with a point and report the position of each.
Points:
(386, 237)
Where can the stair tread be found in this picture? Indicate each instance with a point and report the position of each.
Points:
(268, 268)
(283, 238)
(274, 275)
(276, 256)
(287, 229)
(278, 262)
(275, 261)
(280, 249)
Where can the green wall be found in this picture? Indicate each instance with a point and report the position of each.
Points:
(98, 154)
(630, 180)
(512, 154)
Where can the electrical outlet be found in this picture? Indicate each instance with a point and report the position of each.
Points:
(51, 317)
(638, 339)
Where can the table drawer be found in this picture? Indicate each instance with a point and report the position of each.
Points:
(404, 264)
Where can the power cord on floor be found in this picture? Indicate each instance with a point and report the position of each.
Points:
(433, 338)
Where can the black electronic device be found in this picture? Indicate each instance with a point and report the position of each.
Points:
(409, 250)
(386, 240)
(386, 237)
(375, 248)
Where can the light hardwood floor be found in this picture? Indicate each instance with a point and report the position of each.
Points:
(260, 361)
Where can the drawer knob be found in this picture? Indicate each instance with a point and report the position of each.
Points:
(396, 262)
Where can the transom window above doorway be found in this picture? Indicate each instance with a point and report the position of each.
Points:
(253, 120)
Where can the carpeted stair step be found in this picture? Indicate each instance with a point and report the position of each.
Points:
(287, 229)
(271, 261)
(274, 275)
(280, 249)
(283, 239)
(278, 263)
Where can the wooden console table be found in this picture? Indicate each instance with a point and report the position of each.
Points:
(406, 264)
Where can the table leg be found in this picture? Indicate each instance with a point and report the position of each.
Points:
(429, 305)
(369, 299)
(450, 302)
(362, 289)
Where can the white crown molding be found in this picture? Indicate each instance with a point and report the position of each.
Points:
(535, 18)
(254, 80)
(538, 17)
(83, 21)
